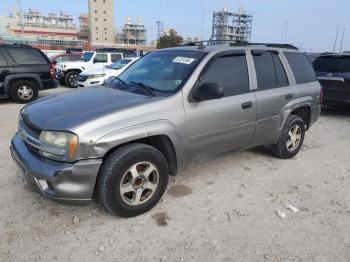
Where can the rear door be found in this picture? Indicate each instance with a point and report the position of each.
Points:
(219, 125)
(272, 94)
(4, 71)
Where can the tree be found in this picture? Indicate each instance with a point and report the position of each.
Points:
(170, 39)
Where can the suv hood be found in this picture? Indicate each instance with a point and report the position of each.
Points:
(106, 71)
(66, 111)
(77, 64)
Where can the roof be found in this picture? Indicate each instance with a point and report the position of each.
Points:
(215, 46)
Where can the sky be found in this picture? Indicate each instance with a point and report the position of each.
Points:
(309, 24)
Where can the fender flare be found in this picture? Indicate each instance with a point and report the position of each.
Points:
(10, 78)
(129, 134)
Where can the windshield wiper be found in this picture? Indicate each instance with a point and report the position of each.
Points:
(148, 89)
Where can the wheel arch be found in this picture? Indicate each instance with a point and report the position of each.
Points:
(20, 77)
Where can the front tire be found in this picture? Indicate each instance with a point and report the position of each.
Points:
(71, 79)
(291, 139)
(132, 180)
(24, 91)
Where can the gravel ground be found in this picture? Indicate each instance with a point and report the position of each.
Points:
(227, 209)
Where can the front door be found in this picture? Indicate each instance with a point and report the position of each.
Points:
(220, 125)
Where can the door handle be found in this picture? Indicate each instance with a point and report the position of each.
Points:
(247, 105)
(288, 96)
(5, 72)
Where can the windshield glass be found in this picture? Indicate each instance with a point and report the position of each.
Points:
(87, 56)
(162, 71)
(120, 64)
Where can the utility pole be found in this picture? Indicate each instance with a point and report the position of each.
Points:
(202, 18)
(342, 40)
(336, 40)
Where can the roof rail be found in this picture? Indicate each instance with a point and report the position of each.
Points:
(203, 44)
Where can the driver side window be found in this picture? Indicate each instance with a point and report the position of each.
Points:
(231, 72)
(101, 58)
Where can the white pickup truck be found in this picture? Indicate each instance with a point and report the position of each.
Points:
(67, 72)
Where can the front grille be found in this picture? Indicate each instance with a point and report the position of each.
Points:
(82, 78)
(30, 135)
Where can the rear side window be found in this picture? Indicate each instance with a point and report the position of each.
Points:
(332, 64)
(265, 70)
(27, 56)
(301, 67)
(2, 61)
(116, 57)
(231, 72)
(281, 75)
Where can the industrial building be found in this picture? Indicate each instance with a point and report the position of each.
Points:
(232, 26)
(133, 33)
(101, 22)
(34, 28)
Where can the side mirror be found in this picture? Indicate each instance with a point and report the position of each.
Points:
(95, 61)
(208, 91)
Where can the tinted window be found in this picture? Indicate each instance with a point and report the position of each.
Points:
(231, 72)
(2, 61)
(332, 64)
(101, 58)
(265, 70)
(282, 79)
(116, 57)
(301, 67)
(27, 56)
(87, 56)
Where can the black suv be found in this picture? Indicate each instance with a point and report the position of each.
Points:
(24, 71)
(333, 72)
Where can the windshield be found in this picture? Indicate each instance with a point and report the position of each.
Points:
(332, 64)
(120, 64)
(162, 71)
(87, 57)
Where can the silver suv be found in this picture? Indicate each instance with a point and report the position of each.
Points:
(120, 142)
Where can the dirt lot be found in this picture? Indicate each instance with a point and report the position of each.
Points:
(221, 210)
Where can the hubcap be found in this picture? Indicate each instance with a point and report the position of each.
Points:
(294, 138)
(139, 183)
(73, 80)
(25, 92)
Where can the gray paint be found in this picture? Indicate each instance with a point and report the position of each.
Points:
(105, 118)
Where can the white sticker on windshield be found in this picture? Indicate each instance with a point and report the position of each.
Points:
(183, 60)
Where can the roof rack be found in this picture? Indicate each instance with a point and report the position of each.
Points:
(203, 44)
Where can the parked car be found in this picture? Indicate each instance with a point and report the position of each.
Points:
(168, 108)
(333, 72)
(24, 71)
(98, 76)
(69, 57)
(67, 72)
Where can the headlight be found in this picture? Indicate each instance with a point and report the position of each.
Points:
(96, 76)
(60, 146)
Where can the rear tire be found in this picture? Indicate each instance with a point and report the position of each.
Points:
(291, 139)
(132, 180)
(24, 91)
(71, 79)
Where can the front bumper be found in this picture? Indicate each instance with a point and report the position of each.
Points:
(63, 182)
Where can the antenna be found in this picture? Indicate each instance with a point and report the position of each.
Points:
(336, 40)
(342, 40)
(202, 18)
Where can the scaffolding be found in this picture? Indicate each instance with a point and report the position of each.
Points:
(232, 26)
(133, 33)
(84, 32)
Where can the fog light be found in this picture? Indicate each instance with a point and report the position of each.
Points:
(43, 184)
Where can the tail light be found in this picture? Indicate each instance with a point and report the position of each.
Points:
(52, 72)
